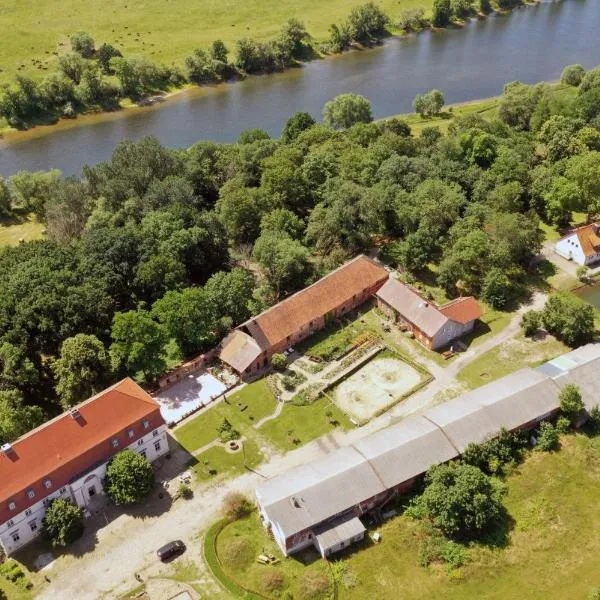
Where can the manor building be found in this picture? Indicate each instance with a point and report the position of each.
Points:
(581, 245)
(67, 457)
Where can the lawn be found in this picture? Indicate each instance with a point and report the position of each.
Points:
(511, 356)
(490, 324)
(28, 230)
(552, 548)
(201, 430)
(162, 31)
(216, 462)
(302, 424)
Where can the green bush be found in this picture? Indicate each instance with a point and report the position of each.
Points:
(278, 362)
(63, 522)
(499, 454)
(547, 439)
(571, 402)
(563, 425)
(227, 432)
(531, 321)
(572, 75)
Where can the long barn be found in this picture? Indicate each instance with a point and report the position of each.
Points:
(321, 503)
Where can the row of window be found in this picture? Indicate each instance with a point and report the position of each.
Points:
(115, 444)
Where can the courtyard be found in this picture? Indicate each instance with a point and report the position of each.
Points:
(376, 386)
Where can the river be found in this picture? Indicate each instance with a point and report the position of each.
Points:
(531, 44)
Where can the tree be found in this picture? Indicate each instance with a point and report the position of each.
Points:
(189, 316)
(531, 321)
(283, 221)
(571, 403)
(498, 288)
(138, 344)
(518, 104)
(63, 522)
(462, 9)
(429, 104)
(548, 438)
(83, 44)
(219, 51)
(460, 500)
(67, 209)
(563, 197)
(283, 260)
(129, 478)
(366, 21)
(72, 65)
(81, 370)
(104, 54)
(584, 171)
(5, 200)
(346, 110)
(569, 318)
(572, 75)
(200, 67)
(231, 293)
(16, 418)
(295, 125)
(442, 13)
(590, 80)
(279, 362)
(17, 370)
(236, 506)
(339, 38)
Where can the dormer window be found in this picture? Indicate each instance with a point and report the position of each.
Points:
(130, 433)
(30, 494)
(146, 423)
(12, 506)
(47, 483)
(115, 443)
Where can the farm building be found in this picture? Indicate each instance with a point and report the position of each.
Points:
(250, 347)
(435, 327)
(581, 245)
(67, 457)
(320, 503)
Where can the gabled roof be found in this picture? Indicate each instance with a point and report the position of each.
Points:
(588, 238)
(292, 314)
(412, 306)
(69, 444)
(239, 350)
(462, 310)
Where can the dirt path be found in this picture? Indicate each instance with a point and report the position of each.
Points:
(128, 544)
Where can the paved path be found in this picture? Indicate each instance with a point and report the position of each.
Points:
(128, 544)
(274, 415)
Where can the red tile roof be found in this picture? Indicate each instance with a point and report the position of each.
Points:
(462, 310)
(588, 238)
(286, 318)
(65, 447)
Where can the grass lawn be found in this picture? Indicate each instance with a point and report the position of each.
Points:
(509, 357)
(225, 463)
(162, 31)
(491, 323)
(28, 230)
(201, 430)
(552, 548)
(305, 422)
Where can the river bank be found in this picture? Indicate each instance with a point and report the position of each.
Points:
(464, 63)
(317, 50)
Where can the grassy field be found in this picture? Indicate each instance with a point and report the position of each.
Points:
(551, 549)
(201, 430)
(216, 462)
(509, 357)
(29, 229)
(162, 31)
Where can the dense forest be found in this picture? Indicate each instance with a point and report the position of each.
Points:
(154, 255)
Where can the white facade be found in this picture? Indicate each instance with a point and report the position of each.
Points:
(452, 330)
(26, 525)
(570, 248)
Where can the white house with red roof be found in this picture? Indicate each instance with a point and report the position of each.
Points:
(581, 245)
(67, 457)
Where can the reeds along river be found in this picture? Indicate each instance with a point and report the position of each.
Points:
(531, 44)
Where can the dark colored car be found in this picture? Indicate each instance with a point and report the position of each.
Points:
(171, 549)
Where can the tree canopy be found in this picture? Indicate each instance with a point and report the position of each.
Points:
(129, 478)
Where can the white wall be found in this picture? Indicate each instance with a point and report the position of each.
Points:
(77, 491)
(450, 331)
(570, 248)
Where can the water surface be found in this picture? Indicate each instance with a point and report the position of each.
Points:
(530, 44)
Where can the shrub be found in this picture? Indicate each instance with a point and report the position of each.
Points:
(412, 19)
(312, 585)
(273, 580)
(227, 432)
(429, 104)
(572, 75)
(236, 506)
(129, 478)
(83, 44)
(582, 273)
(442, 11)
(498, 454)
(185, 491)
(459, 499)
(563, 424)
(593, 421)
(278, 362)
(547, 439)
(461, 9)
(63, 522)
(569, 318)
(571, 403)
(339, 38)
(436, 548)
(238, 553)
(367, 21)
(531, 322)
(346, 110)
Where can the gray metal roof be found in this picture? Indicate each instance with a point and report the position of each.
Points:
(412, 307)
(341, 530)
(405, 450)
(312, 493)
(586, 378)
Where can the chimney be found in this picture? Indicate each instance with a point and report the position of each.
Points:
(75, 414)
(5, 448)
